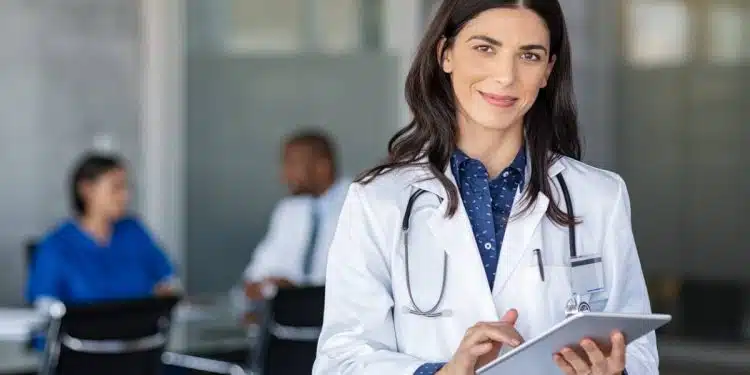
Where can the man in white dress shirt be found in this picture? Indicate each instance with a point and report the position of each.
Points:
(295, 249)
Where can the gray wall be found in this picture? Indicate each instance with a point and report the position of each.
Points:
(238, 111)
(683, 146)
(68, 70)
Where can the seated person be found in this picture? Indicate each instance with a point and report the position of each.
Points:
(295, 248)
(100, 253)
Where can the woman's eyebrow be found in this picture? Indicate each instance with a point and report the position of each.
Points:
(495, 42)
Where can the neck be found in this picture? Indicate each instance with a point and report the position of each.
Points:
(495, 148)
(99, 227)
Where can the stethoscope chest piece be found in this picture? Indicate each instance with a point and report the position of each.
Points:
(573, 306)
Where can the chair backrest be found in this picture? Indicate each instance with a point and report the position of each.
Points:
(29, 248)
(290, 331)
(114, 337)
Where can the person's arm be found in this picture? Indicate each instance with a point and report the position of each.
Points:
(628, 293)
(358, 335)
(268, 259)
(159, 266)
(44, 284)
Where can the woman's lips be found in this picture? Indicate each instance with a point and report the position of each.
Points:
(502, 101)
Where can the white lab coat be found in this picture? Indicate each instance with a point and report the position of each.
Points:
(366, 330)
(282, 250)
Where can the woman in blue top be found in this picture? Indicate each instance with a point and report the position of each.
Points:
(100, 253)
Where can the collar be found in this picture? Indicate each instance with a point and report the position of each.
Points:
(518, 164)
(424, 179)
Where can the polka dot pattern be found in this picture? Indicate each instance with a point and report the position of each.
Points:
(488, 202)
(429, 368)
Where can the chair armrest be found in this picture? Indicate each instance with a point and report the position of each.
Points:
(201, 364)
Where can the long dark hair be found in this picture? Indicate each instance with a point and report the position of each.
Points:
(90, 167)
(551, 125)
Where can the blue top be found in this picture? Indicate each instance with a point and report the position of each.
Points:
(488, 204)
(70, 266)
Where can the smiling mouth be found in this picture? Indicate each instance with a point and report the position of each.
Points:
(502, 101)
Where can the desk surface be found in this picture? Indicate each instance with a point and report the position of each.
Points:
(196, 329)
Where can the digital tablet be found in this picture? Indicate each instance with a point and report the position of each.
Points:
(534, 357)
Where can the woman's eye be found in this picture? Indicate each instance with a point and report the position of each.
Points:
(483, 48)
(531, 56)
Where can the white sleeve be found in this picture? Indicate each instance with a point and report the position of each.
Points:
(358, 335)
(267, 259)
(628, 293)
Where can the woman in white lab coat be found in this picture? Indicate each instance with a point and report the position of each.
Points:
(478, 177)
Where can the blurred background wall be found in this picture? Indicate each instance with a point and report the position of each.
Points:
(198, 94)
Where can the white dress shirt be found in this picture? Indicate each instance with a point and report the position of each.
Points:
(281, 252)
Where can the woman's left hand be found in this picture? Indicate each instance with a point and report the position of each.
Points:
(593, 361)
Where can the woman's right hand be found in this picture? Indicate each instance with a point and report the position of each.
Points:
(482, 343)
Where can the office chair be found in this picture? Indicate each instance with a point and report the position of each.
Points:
(116, 338)
(289, 332)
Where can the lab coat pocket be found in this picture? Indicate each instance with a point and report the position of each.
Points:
(598, 301)
(543, 301)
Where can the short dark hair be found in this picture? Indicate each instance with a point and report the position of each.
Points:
(318, 140)
(90, 167)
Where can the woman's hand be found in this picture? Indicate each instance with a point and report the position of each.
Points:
(482, 343)
(164, 289)
(593, 361)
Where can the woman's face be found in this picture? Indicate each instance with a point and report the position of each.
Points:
(497, 63)
(108, 194)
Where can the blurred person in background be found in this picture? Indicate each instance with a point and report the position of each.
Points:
(294, 250)
(101, 252)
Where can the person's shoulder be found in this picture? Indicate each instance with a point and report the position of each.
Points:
(57, 237)
(60, 230)
(293, 205)
(592, 181)
(393, 184)
(132, 225)
(130, 221)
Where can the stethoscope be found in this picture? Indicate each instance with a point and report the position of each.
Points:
(572, 306)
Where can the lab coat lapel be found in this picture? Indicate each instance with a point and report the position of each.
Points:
(519, 233)
(456, 235)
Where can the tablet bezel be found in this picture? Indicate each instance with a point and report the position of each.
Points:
(654, 322)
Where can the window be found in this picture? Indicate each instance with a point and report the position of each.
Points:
(657, 33)
(727, 24)
(331, 26)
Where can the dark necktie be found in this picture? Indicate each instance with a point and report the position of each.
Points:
(312, 239)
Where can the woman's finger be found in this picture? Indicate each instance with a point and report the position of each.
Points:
(617, 357)
(501, 333)
(480, 349)
(563, 365)
(578, 363)
(596, 357)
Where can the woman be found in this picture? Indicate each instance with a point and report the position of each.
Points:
(99, 253)
(493, 145)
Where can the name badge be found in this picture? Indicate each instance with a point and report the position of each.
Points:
(587, 274)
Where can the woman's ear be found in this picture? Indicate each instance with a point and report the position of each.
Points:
(444, 56)
(84, 189)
